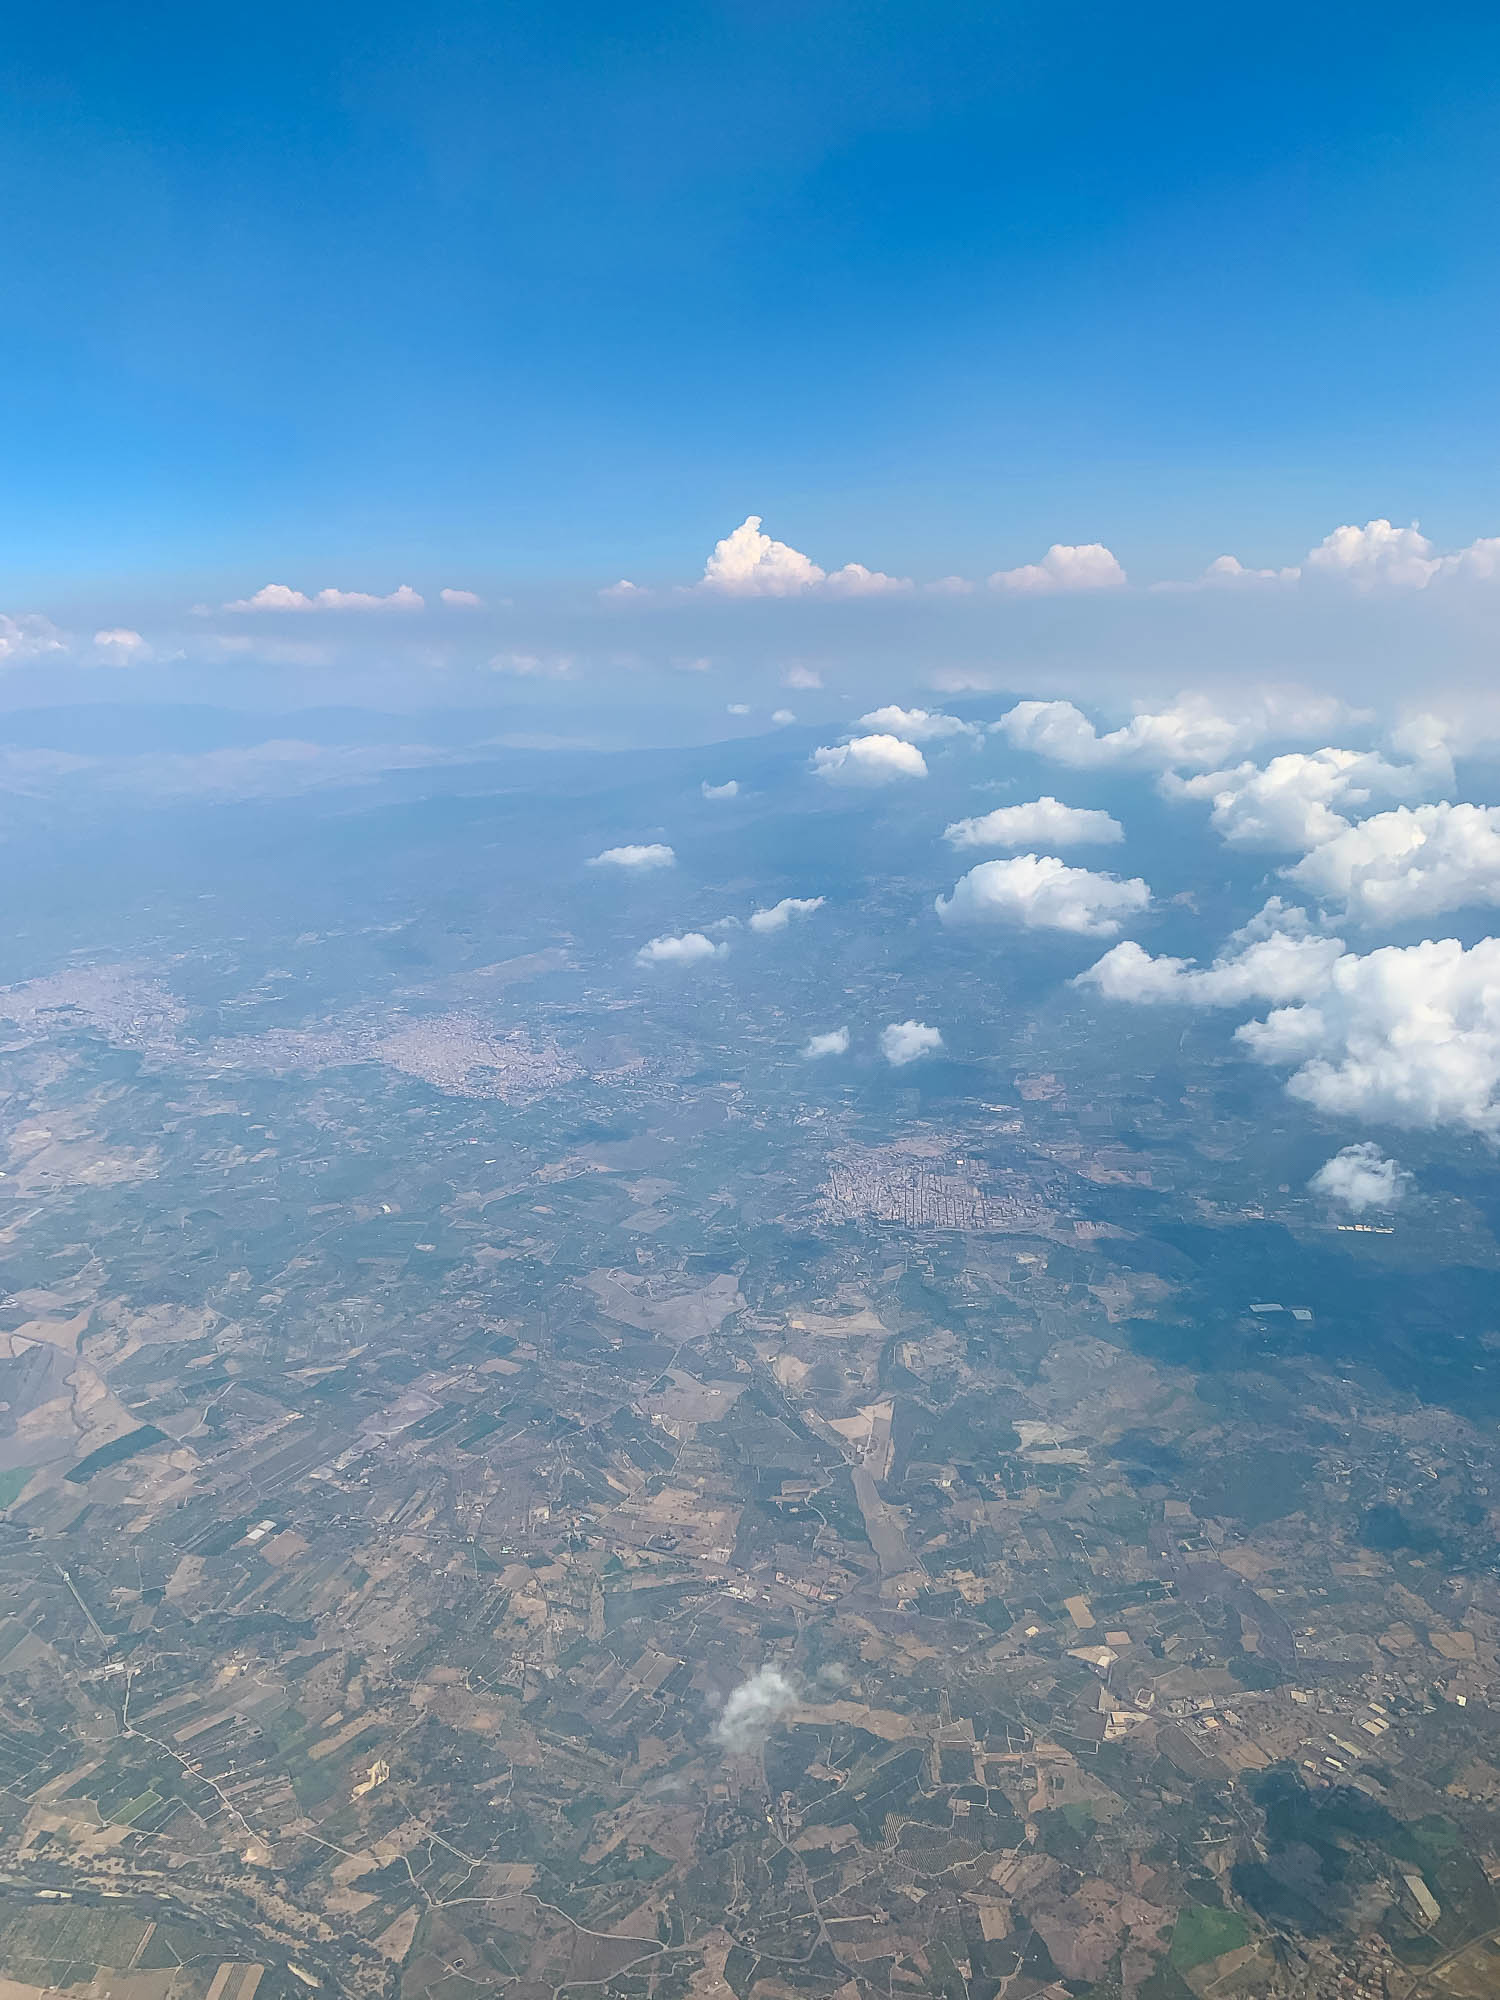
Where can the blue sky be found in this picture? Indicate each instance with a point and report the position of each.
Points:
(522, 298)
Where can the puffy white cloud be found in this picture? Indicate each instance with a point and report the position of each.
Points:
(1300, 799)
(1043, 893)
(462, 600)
(869, 760)
(748, 563)
(1194, 730)
(854, 580)
(655, 854)
(916, 725)
(281, 597)
(834, 1043)
(1282, 965)
(1414, 861)
(1404, 1035)
(689, 949)
(120, 647)
(1360, 1177)
(782, 716)
(779, 915)
(29, 637)
(753, 1709)
(1065, 566)
(903, 1042)
(1376, 553)
(1043, 822)
(730, 789)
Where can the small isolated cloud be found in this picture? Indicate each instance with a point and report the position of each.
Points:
(916, 725)
(624, 591)
(801, 677)
(29, 637)
(869, 760)
(782, 716)
(462, 600)
(1229, 573)
(1416, 861)
(904, 1042)
(1360, 1177)
(1065, 566)
(689, 949)
(738, 708)
(834, 1043)
(120, 647)
(1040, 892)
(281, 597)
(730, 789)
(1043, 822)
(748, 563)
(753, 1709)
(779, 915)
(1195, 730)
(654, 855)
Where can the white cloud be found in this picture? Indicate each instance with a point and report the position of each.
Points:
(281, 597)
(1194, 730)
(753, 1709)
(1043, 822)
(903, 1042)
(916, 725)
(1043, 893)
(738, 708)
(730, 789)
(1410, 862)
(1300, 799)
(1404, 1035)
(624, 591)
(462, 600)
(1080, 566)
(1376, 553)
(801, 677)
(869, 760)
(120, 647)
(1280, 966)
(689, 949)
(749, 563)
(854, 580)
(1229, 573)
(655, 854)
(834, 1043)
(1360, 1177)
(782, 716)
(779, 915)
(29, 637)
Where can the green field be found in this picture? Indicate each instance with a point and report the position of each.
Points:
(1201, 1934)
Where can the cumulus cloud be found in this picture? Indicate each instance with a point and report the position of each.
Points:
(1065, 566)
(1404, 1035)
(1194, 730)
(869, 760)
(1282, 965)
(854, 580)
(1043, 822)
(655, 855)
(730, 789)
(1229, 573)
(281, 597)
(779, 915)
(462, 600)
(915, 725)
(834, 1043)
(782, 716)
(689, 949)
(748, 563)
(1303, 797)
(29, 637)
(753, 1709)
(1415, 861)
(623, 591)
(1360, 1177)
(120, 647)
(903, 1042)
(1041, 892)
(1375, 553)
